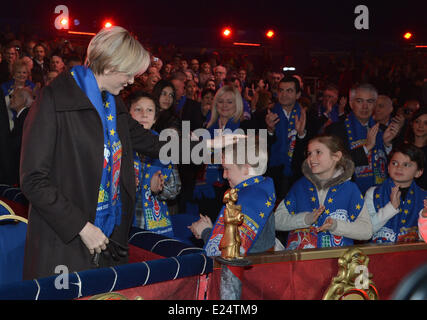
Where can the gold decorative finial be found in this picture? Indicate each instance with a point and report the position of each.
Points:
(353, 281)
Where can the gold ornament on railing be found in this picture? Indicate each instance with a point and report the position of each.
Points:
(353, 282)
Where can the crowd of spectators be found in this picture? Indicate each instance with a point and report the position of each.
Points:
(186, 87)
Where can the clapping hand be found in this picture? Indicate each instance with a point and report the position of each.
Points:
(157, 182)
(372, 136)
(424, 213)
(312, 217)
(300, 122)
(327, 225)
(395, 197)
(390, 133)
(197, 227)
(271, 119)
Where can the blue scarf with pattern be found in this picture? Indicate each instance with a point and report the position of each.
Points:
(283, 149)
(375, 172)
(109, 208)
(256, 195)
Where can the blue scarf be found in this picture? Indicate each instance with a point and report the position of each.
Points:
(403, 227)
(211, 174)
(343, 202)
(376, 171)
(156, 212)
(333, 114)
(256, 195)
(180, 104)
(109, 208)
(282, 150)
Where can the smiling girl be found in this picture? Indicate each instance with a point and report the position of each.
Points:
(324, 208)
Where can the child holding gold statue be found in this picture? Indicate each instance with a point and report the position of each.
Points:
(254, 194)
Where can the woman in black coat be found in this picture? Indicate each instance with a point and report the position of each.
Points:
(75, 219)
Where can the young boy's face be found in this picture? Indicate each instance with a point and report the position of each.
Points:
(402, 170)
(234, 174)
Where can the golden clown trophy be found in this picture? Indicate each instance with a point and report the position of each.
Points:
(230, 242)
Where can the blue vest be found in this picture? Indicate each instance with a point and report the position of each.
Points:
(403, 227)
(343, 202)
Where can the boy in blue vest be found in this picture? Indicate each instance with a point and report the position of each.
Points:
(256, 195)
(395, 205)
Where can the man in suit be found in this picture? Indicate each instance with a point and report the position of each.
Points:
(20, 102)
(5, 145)
(367, 144)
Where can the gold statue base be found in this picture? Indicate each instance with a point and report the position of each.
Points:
(242, 262)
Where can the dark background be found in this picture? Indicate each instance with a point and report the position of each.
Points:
(302, 27)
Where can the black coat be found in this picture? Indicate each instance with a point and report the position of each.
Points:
(17, 141)
(6, 154)
(61, 167)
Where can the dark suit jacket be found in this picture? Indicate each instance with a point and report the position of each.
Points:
(358, 155)
(16, 141)
(61, 168)
(192, 111)
(6, 156)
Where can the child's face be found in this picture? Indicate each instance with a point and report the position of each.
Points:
(144, 111)
(321, 161)
(234, 174)
(402, 170)
(419, 126)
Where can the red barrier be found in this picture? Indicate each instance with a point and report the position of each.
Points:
(309, 279)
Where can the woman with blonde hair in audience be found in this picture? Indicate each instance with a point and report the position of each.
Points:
(21, 74)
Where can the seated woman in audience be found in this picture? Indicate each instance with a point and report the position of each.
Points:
(324, 208)
(226, 113)
(255, 194)
(155, 182)
(164, 95)
(395, 205)
(417, 135)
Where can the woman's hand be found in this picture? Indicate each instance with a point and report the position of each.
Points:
(93, 238)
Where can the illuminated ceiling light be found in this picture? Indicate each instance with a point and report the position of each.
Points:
(407, 35)
(226, 32)
(270, 34)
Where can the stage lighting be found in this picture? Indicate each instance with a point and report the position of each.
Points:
(226, 32)
(270, 34)
(407, 35)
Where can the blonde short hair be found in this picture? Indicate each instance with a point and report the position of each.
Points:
(238, 100)
(116, 49)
